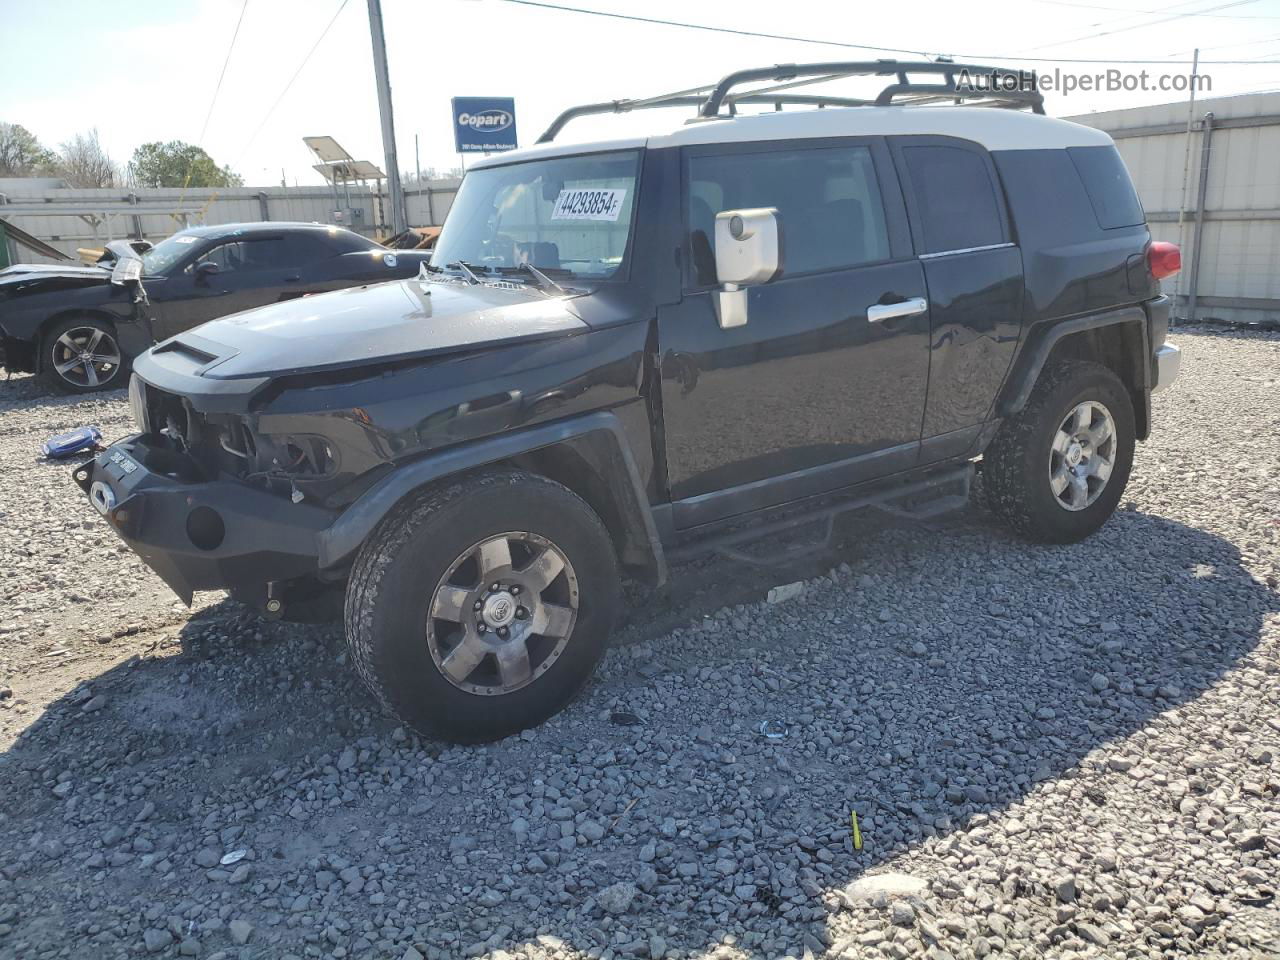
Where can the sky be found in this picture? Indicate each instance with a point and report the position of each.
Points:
(147, 70)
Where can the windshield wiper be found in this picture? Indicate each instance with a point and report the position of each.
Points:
(544, 282)
(466, 269)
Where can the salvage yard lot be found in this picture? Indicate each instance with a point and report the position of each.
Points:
(1065, 751)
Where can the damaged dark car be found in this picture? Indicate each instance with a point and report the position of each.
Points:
(627, 353)
(79, 327)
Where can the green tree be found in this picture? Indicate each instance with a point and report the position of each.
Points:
(21, 154)
(171, 164)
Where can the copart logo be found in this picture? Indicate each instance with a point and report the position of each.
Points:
(486, 120)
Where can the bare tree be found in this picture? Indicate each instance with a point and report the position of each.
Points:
(84, 162)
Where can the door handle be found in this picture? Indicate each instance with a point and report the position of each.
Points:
(293, 278)
(879, 312)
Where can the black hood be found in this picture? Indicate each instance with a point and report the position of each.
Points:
(385, 322)
(45, 275)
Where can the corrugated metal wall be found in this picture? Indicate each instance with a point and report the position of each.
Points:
(1238, 278)
(154, 220)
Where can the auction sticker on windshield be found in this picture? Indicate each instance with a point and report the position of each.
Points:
(588, 205)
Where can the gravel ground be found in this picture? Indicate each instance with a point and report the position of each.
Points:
(1051, 752)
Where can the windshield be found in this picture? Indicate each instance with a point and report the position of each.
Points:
(167, 252)
(568, 217)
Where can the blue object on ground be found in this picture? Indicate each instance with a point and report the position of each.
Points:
(74, 441)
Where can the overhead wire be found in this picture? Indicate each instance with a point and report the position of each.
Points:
(310, 53)
(217, 88)
(636, 18)
(1138, 26)
(1216, 16)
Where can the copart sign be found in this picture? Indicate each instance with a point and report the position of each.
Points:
(484, 124)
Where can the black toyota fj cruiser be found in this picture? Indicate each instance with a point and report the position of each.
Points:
(624, 352)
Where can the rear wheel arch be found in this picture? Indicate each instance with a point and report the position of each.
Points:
(1118, 340)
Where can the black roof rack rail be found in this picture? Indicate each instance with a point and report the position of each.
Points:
(998, 86)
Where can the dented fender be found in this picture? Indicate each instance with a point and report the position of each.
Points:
(598, 439)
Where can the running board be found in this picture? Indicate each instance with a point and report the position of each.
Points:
(933, 496)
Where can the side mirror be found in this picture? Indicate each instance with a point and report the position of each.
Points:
(748, 252)
(206, 269)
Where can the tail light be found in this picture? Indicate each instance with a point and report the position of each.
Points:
(1164, 259)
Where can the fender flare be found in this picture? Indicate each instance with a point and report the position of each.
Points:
(1032, 358)
(596, 437)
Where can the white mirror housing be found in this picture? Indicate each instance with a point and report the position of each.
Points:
(747, 247)
(748, 252)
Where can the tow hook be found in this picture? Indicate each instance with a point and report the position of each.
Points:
(274, 607)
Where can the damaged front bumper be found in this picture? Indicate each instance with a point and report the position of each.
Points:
(199, 534)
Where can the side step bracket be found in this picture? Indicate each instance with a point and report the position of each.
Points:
(918, 501)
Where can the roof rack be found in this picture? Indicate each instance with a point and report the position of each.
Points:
(999, 87)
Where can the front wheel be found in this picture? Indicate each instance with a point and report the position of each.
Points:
(480, 607)
(82, 355)
(1057, 469)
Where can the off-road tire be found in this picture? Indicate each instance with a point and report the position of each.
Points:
(390, 592)
(50, 351)
(1015, 467)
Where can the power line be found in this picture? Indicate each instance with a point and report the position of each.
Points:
(1215, 16)
(855, 46)
(218, 86)
(1139, 26)
(323, 33)
(699, 26)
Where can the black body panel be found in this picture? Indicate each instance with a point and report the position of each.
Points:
(808, 381)
(1072, 265)
(386, 322)
(397, 416)
(975, 302)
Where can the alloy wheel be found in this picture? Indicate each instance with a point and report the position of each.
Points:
(1082, 456)
(503, 613)
(86, 357)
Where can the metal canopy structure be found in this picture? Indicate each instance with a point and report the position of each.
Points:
(326, 148)
(341, 170)
(349, 170)
(782, 78)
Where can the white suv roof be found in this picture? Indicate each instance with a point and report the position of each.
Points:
(994, 128)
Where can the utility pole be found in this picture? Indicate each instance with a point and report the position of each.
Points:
(399, 222)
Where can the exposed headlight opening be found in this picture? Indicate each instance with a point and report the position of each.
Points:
(138, 404)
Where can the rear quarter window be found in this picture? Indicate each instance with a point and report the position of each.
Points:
(955, 199)
(1106, 181)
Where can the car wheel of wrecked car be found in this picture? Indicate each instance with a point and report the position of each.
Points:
(82, 355)
(480, 607)
(1056, 470)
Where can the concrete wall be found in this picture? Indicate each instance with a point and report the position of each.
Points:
(1239, 271)
(156, 213)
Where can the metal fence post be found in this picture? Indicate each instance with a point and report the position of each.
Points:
(1206, 148)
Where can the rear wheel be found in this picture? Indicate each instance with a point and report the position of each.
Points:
(1056, 471)
(82, 355)
(479, 608)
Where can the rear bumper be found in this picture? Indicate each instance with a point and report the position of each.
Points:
(200, 535)
(1168, 363)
